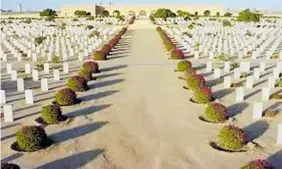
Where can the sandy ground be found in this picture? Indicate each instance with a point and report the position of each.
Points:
(138, 116)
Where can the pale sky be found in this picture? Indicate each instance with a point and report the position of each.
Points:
(55, 4)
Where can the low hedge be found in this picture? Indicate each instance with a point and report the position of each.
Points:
(232, 138)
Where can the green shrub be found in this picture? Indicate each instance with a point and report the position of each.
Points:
(216, 112)
(183, 65)
(55, 59)
(39, 65)
(279, 83)
(99, 55)
(31, 138)
(66, 97)
(270, 113)
(86, 74)
(195, 82)
(257, 164)
(27, 21)
(39, 40)
(203, 95)
(75, 19)
(77, 84)
(232, 138)
(9, 166)
(52, 114)
(189, 72)
(226, 23)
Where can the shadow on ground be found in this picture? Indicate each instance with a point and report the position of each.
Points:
(74, 161)
(256, 130)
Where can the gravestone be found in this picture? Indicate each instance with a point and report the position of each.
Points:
(3, 97)
(44, 84)
(262, 66)
(35, 75)
(209, 67)
(8, 113)
(46, 68)
(27, 68)
(9, 68)
(279, 134)
(249, 82)
(257, 111)
(245, 66)
(56, 74)
(14, 75)
(237, 73)
(227, 82)
(66, 68)
(226, 66)
(271, 82)
(265, 93)
(20, 84)
(239, 94)
(29, 96)
(256, 73)
(216, 73)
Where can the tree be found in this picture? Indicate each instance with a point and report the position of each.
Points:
(105, 13)
(226, 23)
(164, 13)
(48, 12)
(143, 12)
(81, 13)
(116, 13)
(217, 14)
(248, 16)
(207, 13)
(228, 14)
(196, 14)
(183, 13)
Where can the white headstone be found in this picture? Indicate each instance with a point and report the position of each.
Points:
(227, 82)
(44, 84)
(257, 111)
(256, 73)
(14, 75)
(271, 82)
(20, 84)
(29, 96)
(265, 93)
(3, 97)
(35, 75)
(262, 66)
(9, 68)
(8, 113)
(226, 66)
(46, 68)
(27, 68)
(245, 66)
(237, 73)
(279, 134)
(209, 67)
(239, 94)
(56, 74)
(249, 82)
(66, 68)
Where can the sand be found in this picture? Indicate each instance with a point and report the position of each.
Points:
(138, 116)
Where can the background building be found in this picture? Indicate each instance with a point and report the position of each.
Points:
(68, 10)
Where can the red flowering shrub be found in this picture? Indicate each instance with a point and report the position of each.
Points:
(177, 54)
(91, 66)
(66, 97)
(123, 31)
(195, 82)
(113, 42)
(106, 49)
(77, 84)
(257, 164)
(232, 138)
(86, 74)
(99, 55)
(189, 72)
(216, 112)
(203, 95)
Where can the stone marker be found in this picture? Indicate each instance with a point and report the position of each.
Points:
(46, 68)
(279, 134)
(249, 82)
(8, 113)
(257, 111)
(245, 66)
(9, 68)
(27, 68)
(216, 73)
(20, 84)
(29, 96)
(237, 73)
(14, 75)
(256, 73)
(209, 67)
(227, 82)
(239, 94)
(3, 97)
(271, 82)
(66, 68)
(262, 66)
(44, 84)
(265, 93)
(226, 66)
(35, 75)
(56, 74)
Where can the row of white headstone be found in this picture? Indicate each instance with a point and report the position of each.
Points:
(240, 94)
